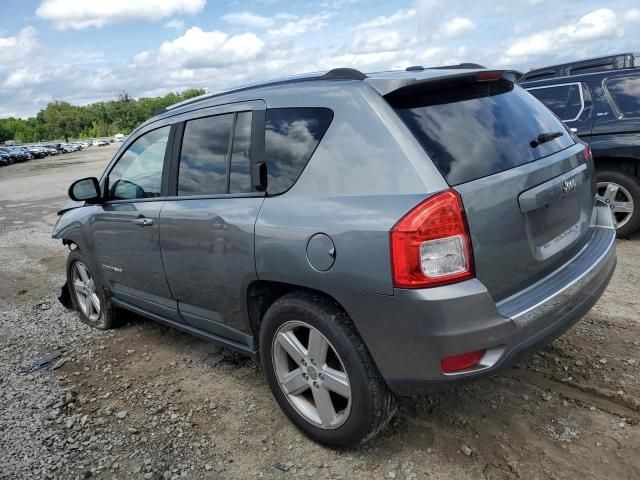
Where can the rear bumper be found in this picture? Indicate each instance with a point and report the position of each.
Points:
(410, 332)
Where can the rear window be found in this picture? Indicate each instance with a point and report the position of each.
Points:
(479, 129)
(291, 137)
(563, 100)
(626, 93)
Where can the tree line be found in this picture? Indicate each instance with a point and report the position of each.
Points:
(60, 119)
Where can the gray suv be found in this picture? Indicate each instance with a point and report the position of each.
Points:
(360, 236)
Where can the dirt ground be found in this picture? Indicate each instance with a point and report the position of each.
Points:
(145, 401)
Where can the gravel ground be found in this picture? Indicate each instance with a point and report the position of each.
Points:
(144, 401)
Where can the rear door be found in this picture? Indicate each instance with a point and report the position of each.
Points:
(526, 185)
(207, 224)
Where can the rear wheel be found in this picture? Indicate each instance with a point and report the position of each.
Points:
(622, 193)
(321, 373)
(90, 300)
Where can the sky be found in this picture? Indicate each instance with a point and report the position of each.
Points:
(83, 51)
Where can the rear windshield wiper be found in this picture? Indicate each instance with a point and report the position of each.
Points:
(544, 137)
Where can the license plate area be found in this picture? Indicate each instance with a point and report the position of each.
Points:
(557, 212)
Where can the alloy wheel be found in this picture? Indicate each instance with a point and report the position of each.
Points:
(84, 287)
(311, 375)
(619, 200)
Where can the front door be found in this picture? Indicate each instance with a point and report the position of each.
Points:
(207, 227)
(125, 227)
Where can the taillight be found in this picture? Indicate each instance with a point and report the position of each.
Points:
(587, 153)
(430, 245)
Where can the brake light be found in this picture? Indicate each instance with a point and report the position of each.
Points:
(587, 153)
(489, 75)
(456, 363)
(430, 245)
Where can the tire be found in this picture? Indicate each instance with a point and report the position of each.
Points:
(370, 405)
(631, 188)
(103, 320)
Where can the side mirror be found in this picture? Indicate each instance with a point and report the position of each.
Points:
(85, 190)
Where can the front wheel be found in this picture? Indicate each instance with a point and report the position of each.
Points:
(321, 373)
(90, 300)
(622, 193)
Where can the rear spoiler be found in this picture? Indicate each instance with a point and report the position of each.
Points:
(386, 86)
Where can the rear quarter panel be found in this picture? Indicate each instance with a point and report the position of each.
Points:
(366, 173)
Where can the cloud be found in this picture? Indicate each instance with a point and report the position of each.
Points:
(383, 21)
(248, 19)
(376, 41)
(22, 78)
(297, 25)
(602, 23)
(456, 27)
(197, 48)
(80, 14)
(248, 47)
(632, 15)
(174, 23)
(19, 45)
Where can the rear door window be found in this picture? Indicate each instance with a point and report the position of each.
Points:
(479, 129)
(240, 174)
(563, 100)
(203, 157)
(291, 137)
(626, 93)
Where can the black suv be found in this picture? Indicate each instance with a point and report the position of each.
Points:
(599, 99)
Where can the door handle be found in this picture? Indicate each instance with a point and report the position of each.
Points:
(143, 222)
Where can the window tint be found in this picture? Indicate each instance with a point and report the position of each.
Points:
(563, 100)
(203, 157)
(291, 136)
(138, 172)
(240, 174)
(480, 129)
(626, 93)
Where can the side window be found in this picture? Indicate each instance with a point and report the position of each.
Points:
(574, 104)
(203, 157)
(138, 172)
(563, 100)
(626, 93)
(291, 137)
(240, 173)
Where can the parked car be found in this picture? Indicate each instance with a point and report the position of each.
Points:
(16, 156)
(600, 99)
(68, 148)
(50, 150)
(58, 147)
(37, 152)
(22, 150)
(361, 236)
(5, 159)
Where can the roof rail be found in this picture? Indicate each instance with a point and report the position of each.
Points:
(459, 66)
(333, 74)
(590, 65)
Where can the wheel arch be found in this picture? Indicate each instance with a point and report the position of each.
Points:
(626, 165)
(261, 294)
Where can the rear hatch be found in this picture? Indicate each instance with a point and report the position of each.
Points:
(526, 185)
